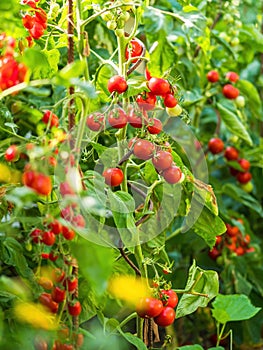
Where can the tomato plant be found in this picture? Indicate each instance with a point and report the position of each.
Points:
(131, 174)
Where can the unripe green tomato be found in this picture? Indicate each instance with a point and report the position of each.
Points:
(238, 24)
(124, 16)
(240, 101)
(234, 32)
(209, 21)
(248, 187)
(228, 18)
(119, 32)
(220, 260)
(223, 35)
(175, 111)
(112, 25)
(107, 16)
(54, 10)
(121, 23)
(233, 139)
(16, 107)
(28, 246)
(234, 42)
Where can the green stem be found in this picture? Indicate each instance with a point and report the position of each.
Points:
(220, 334)
(22, 86)
(128, 319)
(175, 233)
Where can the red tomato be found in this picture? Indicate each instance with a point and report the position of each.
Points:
(95, 122)
(40, 344)
(154, 126)
(49, 117)
(159, 86)
(58, 294)
(135, 120)
(230, 92)
(215, 145)
(214, 253)
(170, 101)
(166, 317)
(244, 178)
(28, 21)
(231, 153)
(169, 298)
(56, 227)
(65, 189)
(52, 256)
(162, 160)
(172, 175)
(36, 235)
(143, 149)
(74, 309)
(45, 256)
(79, 221)
(244, 163)
(212, 76)
(68, 233)
(117, 84)
(134, 49)
(71, 283)
(117, 118)
(57, 275)
(148, 75)
(231, 231)
(41, 16)
(232, 76)
(12, 153)
(42, 184)
(37, 30)
(240, 251)
(113, 176)
(147, 102)
(46, 300)
(149, 307)
(48, 238)
(45, 282)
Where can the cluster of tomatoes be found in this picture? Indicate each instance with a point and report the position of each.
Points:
(60, 288)
(241, 171)
(12, 72)
(233, 240)
(228, 90)
(161, 309)
(36, 24)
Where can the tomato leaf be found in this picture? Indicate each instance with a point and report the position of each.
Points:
(235, 307)
(132, 339)
(253, 99)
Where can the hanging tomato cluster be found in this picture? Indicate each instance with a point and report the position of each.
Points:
(228, 90)
(36, 23)
(12, 72)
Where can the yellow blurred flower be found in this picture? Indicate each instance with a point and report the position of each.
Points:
(129, 289)
(36, 315)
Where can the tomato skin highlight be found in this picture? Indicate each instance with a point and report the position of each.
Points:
(159, 86)
(149, 307)
(113, 176)
(166, 317)
(232, 76)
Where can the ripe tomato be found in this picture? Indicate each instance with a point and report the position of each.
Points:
(49, 117)
(170, 101)
(56, 227)
(52, 256)
(159, 86)
(68, 233)
(212, 76)
(231, 231)
(172, 175)
(57, 275)
(143, 149)
(147, 102)
(149, 307)
(36, 235)
(28, 21)
(231, 153)
(42, 184)
(134, 49)
(117, 118)
(244, 163)
(166, 317)
(162, 160)
(113, 176)
(135, 120)
(154, 126)
(240, 250)
(71, 283)
(214, 253)
(48, 238)
(41, 16)
(12, 153)
(45, 282)
(79, 221)
(58, 294)
(117, 84)
(45, 256)
(46, 300)
(40, 344)
(95, 122)
(74, 309)
(230, 92)
(169, 298)
(232, 76)
(65, 189)
(244, 178)
(215, 145)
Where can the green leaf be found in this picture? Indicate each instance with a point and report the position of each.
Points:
(38, 63)
(136, 85)
(235, 307)
(233, 124)
(22, 196)
(243, 197)
(132, 339)
(191, 347)
(200, 281)
(253, 99)
(216, 348)
(95, 263)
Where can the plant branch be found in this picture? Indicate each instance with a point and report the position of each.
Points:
(132, 265)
